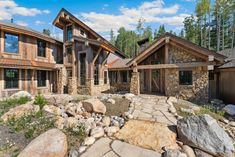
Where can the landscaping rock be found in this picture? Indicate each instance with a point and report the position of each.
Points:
(129, 96)
(72, 122)
(106, 121)
(52, 143)
(20, 111)
(173, 99)
(111, 101)
(60, 122)
(230, 109)
(52, 109)
(89, 141)
(58, 99)
(81, 149)
(149, 135)
(94, 105)
(189, 105)
(21, 94)
(187, 110)
(200, 153)
(97, 132)
(188, 150)
(126, 150)
(204, 133)
(73, 153)
(174, 153)
(111, 130)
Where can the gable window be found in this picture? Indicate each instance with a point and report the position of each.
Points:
(185, 77)
(41, 78)
(11, 44)
(69, 33)
(41, 48)
(11, 77)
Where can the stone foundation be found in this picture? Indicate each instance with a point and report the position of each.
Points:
(197, 92)
(72, 85)
(135, 83)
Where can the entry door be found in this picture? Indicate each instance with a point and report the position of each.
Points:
(155, 81)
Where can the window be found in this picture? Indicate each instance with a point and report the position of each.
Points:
(96, 72)
(69, 33)
(11, 44)
(69, 54)
(11, 78)
(82, 68)
(41, 78)
(124, 76)
(41, 48)
(185, 77)
(82, 32)
(211, 76)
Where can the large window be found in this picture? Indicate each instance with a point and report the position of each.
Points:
(11, 78)
(69, 33)
(11, 44)
(69, 54)
(41, 48)
(185, 77)
(124, 76)
(41, 77)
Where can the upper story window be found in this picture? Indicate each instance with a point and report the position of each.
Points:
(69, 33)
(11, 44)
(185, 77)
(41, 48)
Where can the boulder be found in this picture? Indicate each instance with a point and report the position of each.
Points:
(129, 96)
(173, 99)
(111, 130)
(72, 122)
(58, 99)
(94, 105)
(203, 132)
(21, 94)
(60, 122)
(112, 101)
(174, 153)
(20, 111)
(106, 121)
(73, 152)
(230, 109)
(81, 149)
(97, 132)
(188, 150)
(52, 109)
(52, 143)
(89, 141)
(200, 153)
(149, 135)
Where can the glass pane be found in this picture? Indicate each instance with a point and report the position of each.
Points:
(11, 43)
(69, 33)
(11, 78)
(41, 48)
(41, 78)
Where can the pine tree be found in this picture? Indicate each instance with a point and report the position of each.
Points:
(112, 37)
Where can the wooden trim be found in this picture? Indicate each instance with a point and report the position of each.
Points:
(177, 65)
(96, 56)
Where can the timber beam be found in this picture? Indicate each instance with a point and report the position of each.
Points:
(97, 55)
(105, 59)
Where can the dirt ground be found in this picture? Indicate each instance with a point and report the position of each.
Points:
(121, 105)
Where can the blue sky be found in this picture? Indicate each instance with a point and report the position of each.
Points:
(101, 15)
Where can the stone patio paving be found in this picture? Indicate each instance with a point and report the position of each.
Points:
(150, 108)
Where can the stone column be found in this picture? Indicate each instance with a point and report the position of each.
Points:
(72, 82)
(135, 83)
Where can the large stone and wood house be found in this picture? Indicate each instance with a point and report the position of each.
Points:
(84, 62)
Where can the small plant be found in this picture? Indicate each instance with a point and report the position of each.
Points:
(79, 132)
(40, 100)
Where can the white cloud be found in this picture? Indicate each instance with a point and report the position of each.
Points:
(22, 23)
(39, 23)
(152, 11)
(8, 8)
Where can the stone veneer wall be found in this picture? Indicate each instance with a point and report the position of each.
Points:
(197, 92)
(72, 85)
(135, 83)
(121, 86)
(62, 79)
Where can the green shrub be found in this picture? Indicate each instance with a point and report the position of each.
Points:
(40, 100)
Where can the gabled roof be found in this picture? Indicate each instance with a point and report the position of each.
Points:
(87, 28)
(118, 63)
(230, 61)
(179, 41)
(25, 30)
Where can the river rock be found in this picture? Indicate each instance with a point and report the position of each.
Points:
(106, 121)
(94, 105)
(97, 132)
(230, 109)
(52, 143)
(203, 132)
(20, 111)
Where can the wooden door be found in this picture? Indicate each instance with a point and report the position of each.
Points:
(155, 81)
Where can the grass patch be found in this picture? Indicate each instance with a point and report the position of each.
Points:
(7, 104)
(31, 125)
(40, 100)
(216, 114)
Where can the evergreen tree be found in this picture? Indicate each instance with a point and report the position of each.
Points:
(112, 37)
(46, 31)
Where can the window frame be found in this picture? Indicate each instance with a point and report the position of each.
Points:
(124, 75)
(5, 42)
(188, 81)
(67, 34)
(12, 81)
(40, 82)
(38, 48)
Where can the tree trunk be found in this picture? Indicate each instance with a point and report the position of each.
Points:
(209, 34)
(223, 33)
(218, 32)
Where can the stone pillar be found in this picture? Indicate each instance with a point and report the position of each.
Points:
(135, 83)
(72, 85)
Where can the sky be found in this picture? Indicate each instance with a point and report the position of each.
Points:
(100, 15)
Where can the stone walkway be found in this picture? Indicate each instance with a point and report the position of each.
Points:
(153, 108)
(106, 147)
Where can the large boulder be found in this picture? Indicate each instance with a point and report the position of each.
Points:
(203, 132)
(230, 109)
(174, 153)
(52, 143)
(20, 111)
(58, 99)
(94, 105)
(21, 94)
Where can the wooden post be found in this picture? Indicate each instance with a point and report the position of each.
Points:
(167, 51)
